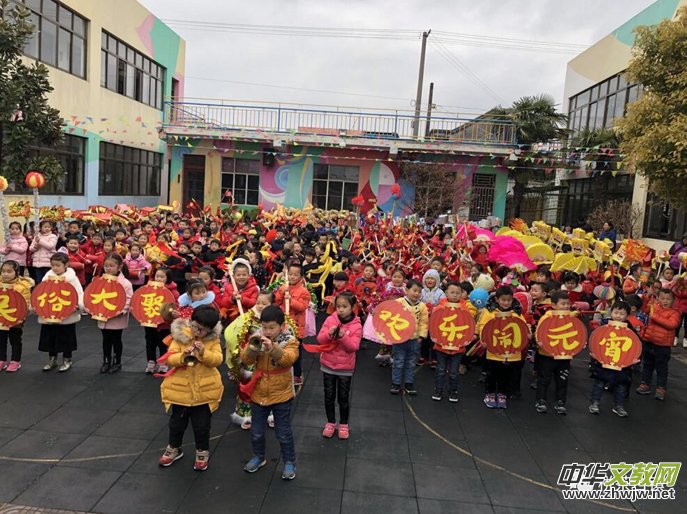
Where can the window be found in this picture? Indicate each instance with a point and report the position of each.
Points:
(482, 196)
(59, 38)
(129, 73)
(583, 195)
(241, 178)
(662, 221)
(129, 171)
(334, 186)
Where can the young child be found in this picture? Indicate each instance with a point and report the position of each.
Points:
(631, 282)
(366, 287)
(112, 329)
(207, 275)
(193, 389)
(197, 294)
(9, 274)
(668, 278)
(613, 379)
(448, 360)
(271, 388)
(658, 339)
(298, 298)
(431, 296)
(93, 250)
(500, 373)
(404, 355)
(61, 337)
(548, 368)
(43, 246)
(342, 333)
(77, 259)
(138, 266)
(247, 292)
(393, 290)
(156, 335)
(571, 284)
(15, 247)
(180, 265)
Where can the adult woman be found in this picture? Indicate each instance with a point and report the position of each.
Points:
(675, 251)
(608, 232)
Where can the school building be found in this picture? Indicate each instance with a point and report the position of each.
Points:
(112, 63)
(597, 92)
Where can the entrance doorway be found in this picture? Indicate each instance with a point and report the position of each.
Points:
(194, 179)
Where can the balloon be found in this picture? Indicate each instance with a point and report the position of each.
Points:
(479, 298)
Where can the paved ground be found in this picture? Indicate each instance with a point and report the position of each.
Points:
(81, 441)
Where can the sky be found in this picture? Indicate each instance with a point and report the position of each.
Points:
(383, 73)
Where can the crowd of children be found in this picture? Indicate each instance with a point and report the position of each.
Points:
(262, 283)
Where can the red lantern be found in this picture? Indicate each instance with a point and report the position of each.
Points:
(451, 328)
(615, 346)
(104, 298)
(393, 323)
(13, 308)
(561, 335)
(396, 191)
(506, 336)
(35, 179)
(147, 302)
(358, 201)
(54, 299)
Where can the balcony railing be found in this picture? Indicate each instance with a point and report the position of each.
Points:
(287, 119)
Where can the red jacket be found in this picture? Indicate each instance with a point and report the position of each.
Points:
(680, 300)
(94, 254)
(249, 295)
(662, 325)
(331, 308)
(77, 261)
(342, 356)
(298, 304)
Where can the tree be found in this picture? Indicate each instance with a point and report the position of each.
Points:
(623, 215)
(26, 119)
(599, 149)
(654, 130)
(536, 121)
(438, 187)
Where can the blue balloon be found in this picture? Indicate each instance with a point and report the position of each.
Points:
(479, 298)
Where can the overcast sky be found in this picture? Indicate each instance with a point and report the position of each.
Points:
(385, 69)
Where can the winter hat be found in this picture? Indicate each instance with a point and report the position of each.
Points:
(243, 261)
(434, 274)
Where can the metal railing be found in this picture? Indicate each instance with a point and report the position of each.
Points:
(391, 125)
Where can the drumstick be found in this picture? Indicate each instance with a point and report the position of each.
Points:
(286, 290)
(236, 291)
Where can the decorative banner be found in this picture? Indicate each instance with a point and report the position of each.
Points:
(561, 335)
(13, 308)
(505, 336)
(451, 328)
(54, 299)
(104, 298)
(393, 323)
(147, 301)
(615, 346)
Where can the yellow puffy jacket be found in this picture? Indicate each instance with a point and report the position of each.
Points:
(193, 385)
(421, 314)
(487, 316)
(23, 285)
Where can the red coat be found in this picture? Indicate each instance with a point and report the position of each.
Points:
(342, 356)
(298, 304)
(662, 325)
(331, 308)
(249, 295)
(94, 254)
(680, 300)
(77, 261)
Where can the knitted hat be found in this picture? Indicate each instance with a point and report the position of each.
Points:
(243, 261)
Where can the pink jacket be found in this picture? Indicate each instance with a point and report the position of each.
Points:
(122, 321)
(138, 269)
(15, 249)
(342, 356)
(43, 248)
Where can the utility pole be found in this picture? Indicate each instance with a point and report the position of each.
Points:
(418, 97)
(429, 108)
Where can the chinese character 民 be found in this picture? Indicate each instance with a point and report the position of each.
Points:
(394, 323)
(5, 310)
(567, 339)
(103, 297)
(451, 331)
(152, 302)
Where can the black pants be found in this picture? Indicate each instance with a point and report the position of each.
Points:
(14, 336)
(500, 376)
(655, 357)
(298, 365)
(549, 369)
(112, 340)
(426, 351)
(200, 417)
(154, 338)
(337, 387)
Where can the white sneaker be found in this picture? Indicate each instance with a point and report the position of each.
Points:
(150, 368)
(270, 420)
(162, 368)
(66, 364)
(676, 342)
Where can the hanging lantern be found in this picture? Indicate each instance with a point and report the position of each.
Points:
(451, 328)
(505, 336)
(393, 323)
(3, 184)
(104, 298)
(148, 301)
(13, 308)
(35, 180)
(54, 299)
(562, 335)
(615, 346)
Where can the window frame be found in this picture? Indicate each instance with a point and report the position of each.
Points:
(128, 166)
(231, 171)
(328, 181)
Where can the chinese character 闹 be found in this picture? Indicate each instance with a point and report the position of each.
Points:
(509, 336)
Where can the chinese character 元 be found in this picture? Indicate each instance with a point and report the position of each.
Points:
(559, 335)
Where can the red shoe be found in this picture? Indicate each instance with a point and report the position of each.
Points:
(202, 459)
(329, 430)
(170, 456)
(343, 432)
(13, 366)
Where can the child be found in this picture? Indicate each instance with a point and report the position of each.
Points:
(10, 275)
(156, 335)
(617, 380)
(257, 264)
(298, 298)
(549, 368)
(43, 246)
(668, 278)
(112, 329)
(343, 332)
(631, 282)
(500, 372)
(658, 339)
(77, 259)
(93, 250)
(197, 294)
(137, 265)
(215, 257)
(393, 290)
(571, 284)
(366, 287)
(680, 292)
(448, 360)
(431, 296)
(236, 337)
(247, 292)
(15, 247)
(271, 388)
(404, 355)
(194, 388)
(61, 337)
(207, 275)
(180, 265)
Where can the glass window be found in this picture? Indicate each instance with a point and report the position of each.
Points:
(124, 171)
(130, 81)
(619, 110)
(78, 56)
(63, 49)
(65, 18)
(48, 36)
(241, 178)
(34, 5)
(622, 81)
(50, 9)
(79, 25)
(121, 77)
(334, 186)
(595, 93)
(583, 118)
(31, 48)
